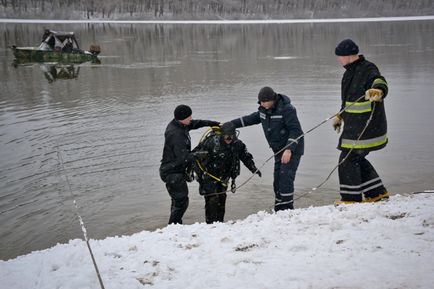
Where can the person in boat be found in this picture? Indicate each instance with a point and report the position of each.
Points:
(48, 41)
(222, 152)
(68, 47)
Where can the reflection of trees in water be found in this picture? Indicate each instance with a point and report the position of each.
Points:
(209, 53)
(211, 9)
(166, 42)
(54, 72)
(156, 60)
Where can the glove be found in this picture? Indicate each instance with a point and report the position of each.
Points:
(374, 94)
(337, 123)
(189, 176)
(258, 172)
(233, 186)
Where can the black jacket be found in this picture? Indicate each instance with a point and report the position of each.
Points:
(280, 124)
(177, 146)
(222, 162)
(360, 76)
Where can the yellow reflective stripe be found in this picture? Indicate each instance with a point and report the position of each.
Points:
(358, 107)
(379, 81)
(364, 144)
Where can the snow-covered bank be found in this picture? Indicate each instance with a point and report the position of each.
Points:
(270, 21)
(381, 245)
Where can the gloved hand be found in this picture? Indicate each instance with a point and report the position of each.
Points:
(258, 172)
(189, 176)
(233, 186)
(374, 94)
(337, 123)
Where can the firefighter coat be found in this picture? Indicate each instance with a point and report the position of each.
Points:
(360, 76)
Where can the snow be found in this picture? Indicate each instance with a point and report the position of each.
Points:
(269, 21)
(381, 245)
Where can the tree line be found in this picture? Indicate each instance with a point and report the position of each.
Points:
(211, 9)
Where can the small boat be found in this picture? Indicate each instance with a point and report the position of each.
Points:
(56, 47)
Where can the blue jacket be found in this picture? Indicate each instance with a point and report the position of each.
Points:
(280, 124)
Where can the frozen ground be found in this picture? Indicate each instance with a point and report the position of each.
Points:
(381, 245)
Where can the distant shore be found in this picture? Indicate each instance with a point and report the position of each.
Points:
(269, 21)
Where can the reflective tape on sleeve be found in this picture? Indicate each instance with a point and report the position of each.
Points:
(379, 81)
(358, 107)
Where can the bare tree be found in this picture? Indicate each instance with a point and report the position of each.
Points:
(174, 9)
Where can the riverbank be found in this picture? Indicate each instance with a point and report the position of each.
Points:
(229, 10)
(250, 21)
(381, 245)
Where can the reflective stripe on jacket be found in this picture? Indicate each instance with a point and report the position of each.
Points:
(280, 124)
(360, 76)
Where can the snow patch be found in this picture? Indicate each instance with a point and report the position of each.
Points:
(381, 245)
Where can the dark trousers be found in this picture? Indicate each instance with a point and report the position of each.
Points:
(177, 187)
(215, 208)
(357, 177)
(284, 176)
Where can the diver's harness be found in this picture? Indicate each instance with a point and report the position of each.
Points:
(215, 130)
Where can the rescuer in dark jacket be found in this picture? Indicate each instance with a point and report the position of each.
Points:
(357, 177)
(281, 128)
(220, 162)
(175, 168)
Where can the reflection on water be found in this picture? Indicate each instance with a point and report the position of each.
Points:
(109, 121)
(54, 72)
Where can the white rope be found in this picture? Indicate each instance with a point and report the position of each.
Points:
(343, 160)
(83, 228)
(297, 139)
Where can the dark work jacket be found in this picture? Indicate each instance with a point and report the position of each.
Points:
(360, 76)
(222, 161)
(177, 146)
(280, 124)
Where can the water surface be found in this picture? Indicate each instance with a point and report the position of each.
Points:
(107, 121)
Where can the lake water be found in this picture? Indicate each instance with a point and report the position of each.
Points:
(107, 122)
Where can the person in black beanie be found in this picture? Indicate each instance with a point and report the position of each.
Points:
(357, 177)
(281, 128)
(175, 168)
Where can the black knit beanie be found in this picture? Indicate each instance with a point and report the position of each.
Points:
(182, 112)
(346, 47)
(266, 94)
